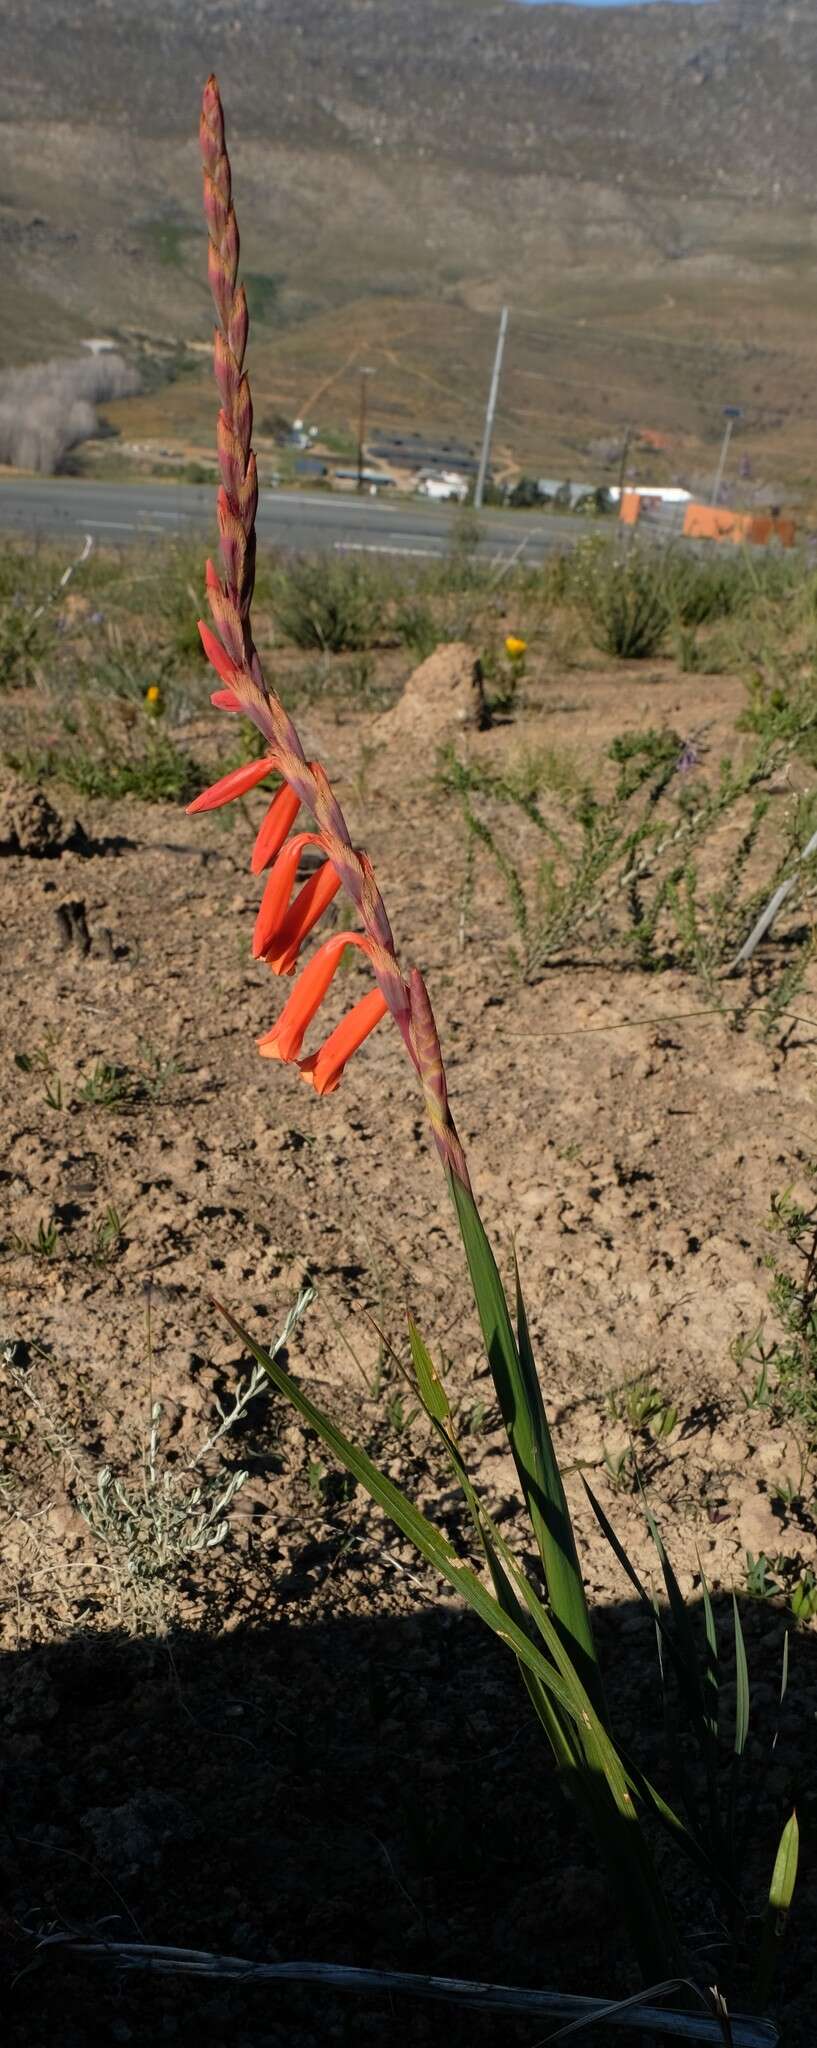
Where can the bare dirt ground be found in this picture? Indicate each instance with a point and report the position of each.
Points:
(297, 1746)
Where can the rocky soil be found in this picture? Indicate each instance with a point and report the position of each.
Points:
(295, 1744)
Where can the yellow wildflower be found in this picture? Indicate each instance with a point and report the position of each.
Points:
(515, 648)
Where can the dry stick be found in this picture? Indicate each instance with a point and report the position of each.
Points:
(65, 577)
(767, 916)
(464, 1991)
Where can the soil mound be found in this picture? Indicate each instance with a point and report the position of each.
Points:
(29, 824)
(443, 696)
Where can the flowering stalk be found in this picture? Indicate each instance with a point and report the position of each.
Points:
(281, 927)
(551, 1638)
(564, 1680)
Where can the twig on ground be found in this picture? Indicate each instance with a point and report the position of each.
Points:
(631, 2013)
(775, 903)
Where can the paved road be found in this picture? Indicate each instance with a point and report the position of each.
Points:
(119, 513)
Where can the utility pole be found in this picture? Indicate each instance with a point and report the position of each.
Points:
(361, 425)
(731, 413)
(490, 410)
(622, 468)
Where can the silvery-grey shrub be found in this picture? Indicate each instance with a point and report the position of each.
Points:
(48, 408)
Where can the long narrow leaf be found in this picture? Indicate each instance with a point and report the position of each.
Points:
(712, 1675)
(596, 1774)
(562, 1570)
(781, 1893)
(429, 1384)
(625, 1845)
(414, 1525)
(561, 1734)
(737, 1835)
(523, 1413)
(741, 1684)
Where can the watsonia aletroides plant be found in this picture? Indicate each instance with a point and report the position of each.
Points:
(551, 1636)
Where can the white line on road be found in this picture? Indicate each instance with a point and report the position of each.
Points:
(362, 547)
(124, 525)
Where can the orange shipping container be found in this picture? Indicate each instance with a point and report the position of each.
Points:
(718, 522)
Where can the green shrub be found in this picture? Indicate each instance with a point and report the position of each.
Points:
(698, 591)
(415, 626)
(157, 771)
(331, 605)
(622, 600)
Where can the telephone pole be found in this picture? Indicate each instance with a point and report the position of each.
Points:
(622, 468)
(731, 413)
(361, 424)
(490, 410)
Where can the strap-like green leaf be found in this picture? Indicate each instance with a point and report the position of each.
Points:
(595, 1774)
(713, 1669)
(429, 1385)
(613, 1811)
(741, 1685)
(432, 1545)
(784, 1875)
(781, 1893)
(523, 1413)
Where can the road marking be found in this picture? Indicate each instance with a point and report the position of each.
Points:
(124, 525)
(362, 547)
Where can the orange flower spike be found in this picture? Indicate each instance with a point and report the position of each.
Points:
(278, 822)
(279, 887)
(309, 905)
(285, 1039)
(233, 785)
(325, 1067)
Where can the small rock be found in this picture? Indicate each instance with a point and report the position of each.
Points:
(760, 1528)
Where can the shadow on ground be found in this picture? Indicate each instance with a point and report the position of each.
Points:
(353, 1790)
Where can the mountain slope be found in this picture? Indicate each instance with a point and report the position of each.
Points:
(640, 186)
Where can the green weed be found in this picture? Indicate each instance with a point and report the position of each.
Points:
(154, 769)
(416, 627)
(45, 1244)
(643, 1409)
(105, 1087)
(622, 601)
(332, 605)
(108, 1238)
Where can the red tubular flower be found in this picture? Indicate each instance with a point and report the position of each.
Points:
(233, 785)
(221, 661)
(309, 905)
(226, 700)
(275, 900)
(279, 821)
(325, 1067)
(285, 1039)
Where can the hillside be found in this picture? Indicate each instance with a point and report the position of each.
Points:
(639, 185)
